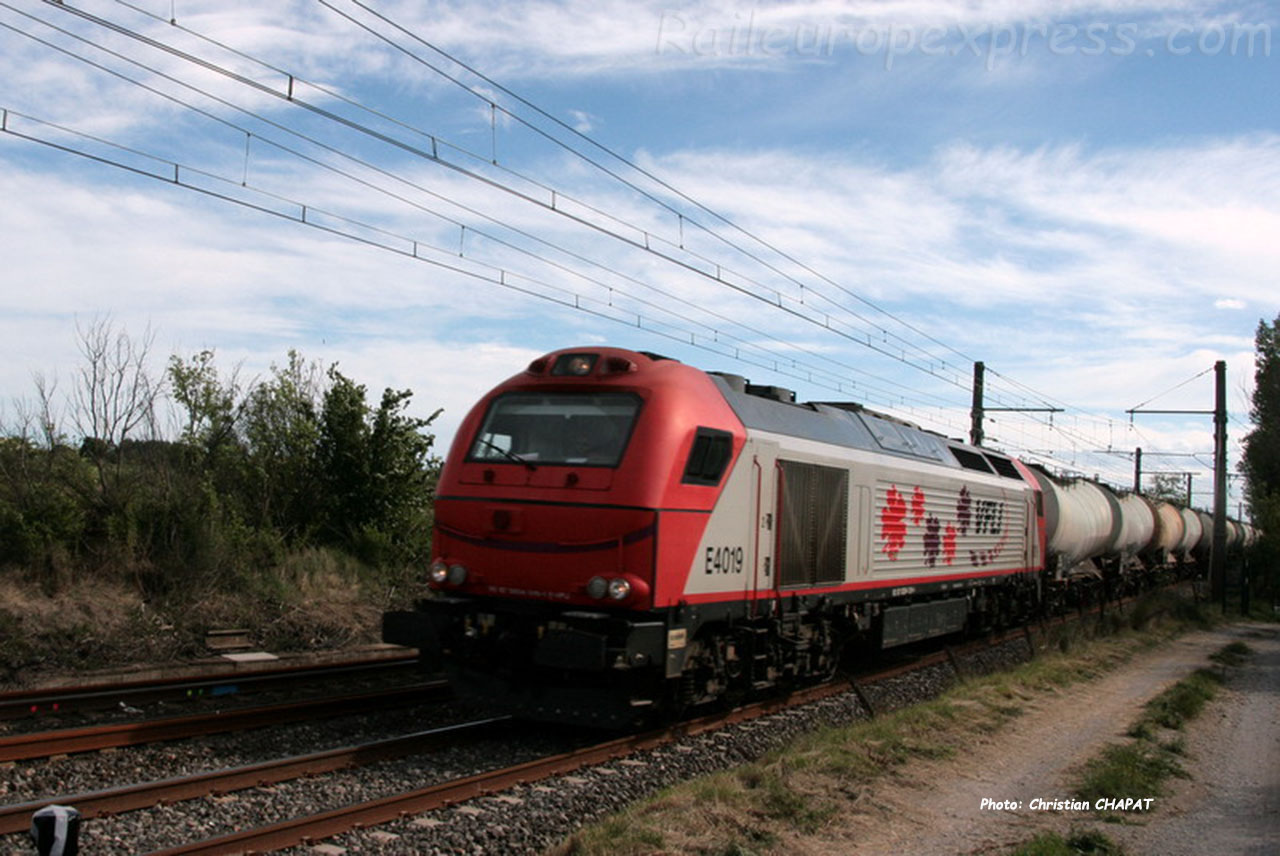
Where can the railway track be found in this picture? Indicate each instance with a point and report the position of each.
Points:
(67, 741)
(323, 825)
(366, 813)
(387, 808)
(17, 818)
(228, 681)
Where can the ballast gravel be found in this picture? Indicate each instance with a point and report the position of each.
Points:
(39, 779)
(524, 820)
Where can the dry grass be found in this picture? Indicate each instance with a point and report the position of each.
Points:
(89, 625)
(317, 599)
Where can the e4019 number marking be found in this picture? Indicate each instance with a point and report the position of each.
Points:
(725, 560)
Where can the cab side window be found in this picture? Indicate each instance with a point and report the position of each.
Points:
(712, 449)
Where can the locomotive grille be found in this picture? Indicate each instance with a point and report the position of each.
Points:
(813, 518)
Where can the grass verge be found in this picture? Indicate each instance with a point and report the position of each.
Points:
(1142, 767)
(1085, 843)
(310, 600)
(797, 790)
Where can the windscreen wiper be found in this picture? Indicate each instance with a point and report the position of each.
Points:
(510, 456)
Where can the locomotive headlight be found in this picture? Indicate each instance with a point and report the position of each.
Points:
(619, 589)
(598, 587)
(439, 572)
(457, 575)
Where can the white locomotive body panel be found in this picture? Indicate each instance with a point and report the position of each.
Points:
(799, 513)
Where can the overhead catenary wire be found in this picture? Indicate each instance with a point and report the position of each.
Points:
(178, 175)
(719, 275)
(1108, 420)
(812, 370)
(632, 165)
(1077, 436)
(1169, 390)
(385, 18)
(260, 87)
(485, 98)
(682, 219)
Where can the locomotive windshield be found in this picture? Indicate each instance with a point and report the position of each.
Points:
(568, 428)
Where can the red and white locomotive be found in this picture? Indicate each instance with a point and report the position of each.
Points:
(620, 535)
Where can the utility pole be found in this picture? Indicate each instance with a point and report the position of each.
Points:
(975, 412)
(1218, 545)
(1137, 463)
(1218, 554)
(978, 410)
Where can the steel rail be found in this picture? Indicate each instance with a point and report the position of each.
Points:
(65, 741)
(17, 818)
(337, 821)
(313, 828)
(316, 827)
(15, 704)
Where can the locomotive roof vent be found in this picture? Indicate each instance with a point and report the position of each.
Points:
(776, 393)
(736, 382)
(855, 407)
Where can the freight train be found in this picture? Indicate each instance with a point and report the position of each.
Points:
(620, 537)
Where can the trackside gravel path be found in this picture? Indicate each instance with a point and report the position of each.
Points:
(1231, 805)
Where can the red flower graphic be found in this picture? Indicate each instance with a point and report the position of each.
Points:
(893, 523)
(949, 544)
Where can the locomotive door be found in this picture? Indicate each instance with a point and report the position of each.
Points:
(1032, 557)
(763, 493)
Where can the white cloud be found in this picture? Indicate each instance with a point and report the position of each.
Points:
(1082, 270)
(577, 37)
(583, 122)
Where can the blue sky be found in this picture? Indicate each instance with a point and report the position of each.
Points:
(868, 196)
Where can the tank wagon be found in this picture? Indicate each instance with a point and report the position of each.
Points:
(620, 536)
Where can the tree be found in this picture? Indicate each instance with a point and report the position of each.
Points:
(112, 407)
(1170, 487)
(113, 399)
(281, 430)
(342, 456)
(257, 470)
(1261, 460)
(376, 471)
(212, 406)
(400, 456)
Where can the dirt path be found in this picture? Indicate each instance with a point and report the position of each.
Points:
(1231, 805)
